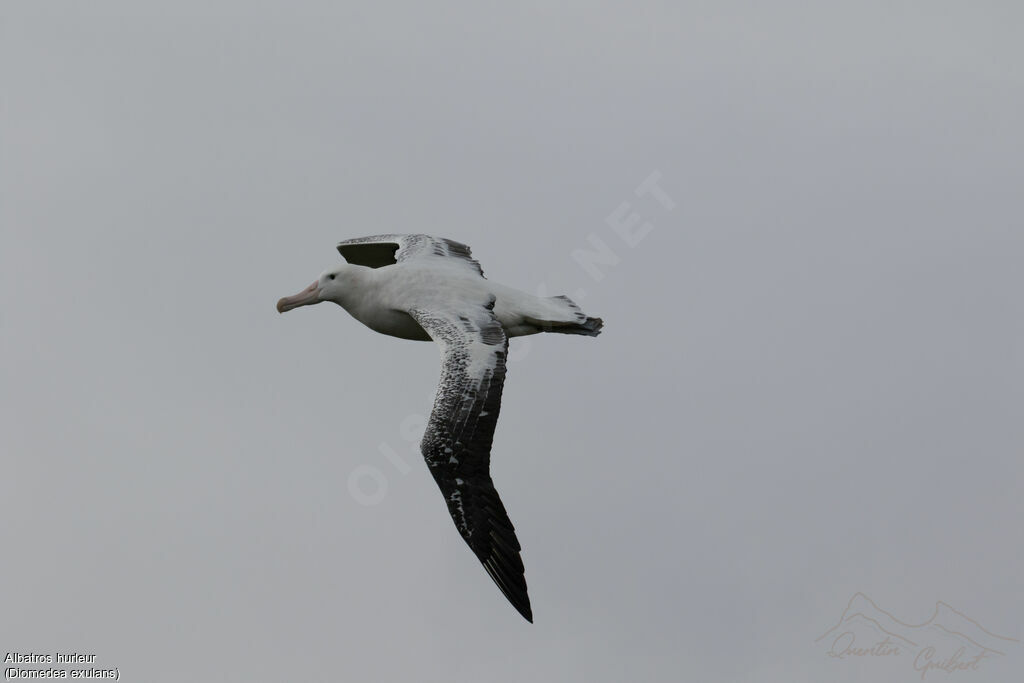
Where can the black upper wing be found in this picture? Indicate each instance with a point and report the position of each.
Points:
(383, 250)
(457, 441)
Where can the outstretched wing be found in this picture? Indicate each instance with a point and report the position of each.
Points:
(385, 250)
(457, 440)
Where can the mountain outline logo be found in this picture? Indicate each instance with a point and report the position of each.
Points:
(947, 641)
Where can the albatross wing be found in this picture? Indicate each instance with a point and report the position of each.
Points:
(385, 250)
(457, 440)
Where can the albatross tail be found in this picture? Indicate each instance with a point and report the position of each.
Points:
(590, 327)
(567, 318)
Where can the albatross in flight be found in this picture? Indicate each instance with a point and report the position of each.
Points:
(427, 288)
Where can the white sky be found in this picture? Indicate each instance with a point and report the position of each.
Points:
(810, 382)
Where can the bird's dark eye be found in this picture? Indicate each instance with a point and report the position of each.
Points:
(331, 276)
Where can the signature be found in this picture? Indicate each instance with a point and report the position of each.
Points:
(949, 641)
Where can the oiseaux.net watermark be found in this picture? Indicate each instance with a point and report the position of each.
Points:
(627, 226)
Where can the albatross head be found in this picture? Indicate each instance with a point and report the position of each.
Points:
(330, 286)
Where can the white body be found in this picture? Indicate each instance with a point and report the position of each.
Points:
(380, 298)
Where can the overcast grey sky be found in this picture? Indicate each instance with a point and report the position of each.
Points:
(810, 383)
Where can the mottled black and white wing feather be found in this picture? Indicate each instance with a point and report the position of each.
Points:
(383, 250)
(457, 440)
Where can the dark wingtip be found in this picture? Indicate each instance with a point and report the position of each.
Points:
(512, 583)
(505, 567)
(522, 604)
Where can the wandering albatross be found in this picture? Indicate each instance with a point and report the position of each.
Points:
(427, 288)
